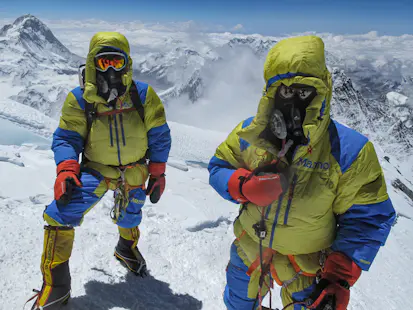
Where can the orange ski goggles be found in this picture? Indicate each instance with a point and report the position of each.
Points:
(106, 60)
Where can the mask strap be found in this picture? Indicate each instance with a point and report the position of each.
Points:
(285, 147)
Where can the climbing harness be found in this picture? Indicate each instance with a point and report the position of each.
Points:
(121, 193)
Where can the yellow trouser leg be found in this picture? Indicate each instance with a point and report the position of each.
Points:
(296, 290)
(57, 248)
(131, 234)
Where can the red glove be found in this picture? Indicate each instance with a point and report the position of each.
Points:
(156, 184)
(340, 273)
(261, 190)
(68, 172)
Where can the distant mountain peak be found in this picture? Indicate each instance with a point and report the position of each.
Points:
(31, 34)
(25, 17)
(260, 45)
(29, 28)
(23, 23)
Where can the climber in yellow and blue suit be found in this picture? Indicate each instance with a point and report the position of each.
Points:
(309, 187)
(122, 146)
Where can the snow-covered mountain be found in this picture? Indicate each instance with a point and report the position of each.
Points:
(387, 121)
(200, 74)
(29, 35)
(36, 69)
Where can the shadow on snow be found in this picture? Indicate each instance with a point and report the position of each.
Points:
(134, 293)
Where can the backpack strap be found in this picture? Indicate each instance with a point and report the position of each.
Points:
(91, 114)
(136, 101)
(89, 108)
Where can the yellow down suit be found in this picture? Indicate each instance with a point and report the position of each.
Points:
(337, 198)
(115, 142)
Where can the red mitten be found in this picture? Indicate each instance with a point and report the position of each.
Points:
(340, 273)
(68, 172)
(261, 190)
(157, 181)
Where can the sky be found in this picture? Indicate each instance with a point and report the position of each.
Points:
(265, 17)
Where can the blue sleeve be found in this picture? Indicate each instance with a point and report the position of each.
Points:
(220, 172)
(159, 143)
(362, 230)
(66, 145)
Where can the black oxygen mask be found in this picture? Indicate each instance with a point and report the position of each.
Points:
(286, 121)
(110, 84)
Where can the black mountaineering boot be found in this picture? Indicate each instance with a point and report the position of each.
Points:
(127, 252)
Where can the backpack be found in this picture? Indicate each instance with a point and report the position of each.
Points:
(91, 109)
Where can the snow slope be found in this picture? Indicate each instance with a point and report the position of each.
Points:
(185, 238)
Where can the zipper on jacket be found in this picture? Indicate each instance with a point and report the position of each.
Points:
(280, 201)
(110, 130)
(117, 139)
(122, 129)
(290, 198)
(267, 213)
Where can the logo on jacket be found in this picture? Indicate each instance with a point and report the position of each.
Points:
(316, 165)
(127, 105)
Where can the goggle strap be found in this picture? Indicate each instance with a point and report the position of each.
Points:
(111, 53)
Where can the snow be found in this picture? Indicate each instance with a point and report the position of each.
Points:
(396, 98)
(211, 81)
(13, 134)
(191, 224)
(185, 237)
(26, 116)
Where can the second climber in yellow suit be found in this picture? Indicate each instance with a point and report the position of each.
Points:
(311, 190)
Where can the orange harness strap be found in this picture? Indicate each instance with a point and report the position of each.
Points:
(297, 268)
(267, 259)
(129, 166)
(127, 186)
(253, 266)
(242, 235)
(115, 111)
(274, 275)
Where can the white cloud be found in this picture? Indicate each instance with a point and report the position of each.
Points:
(230, 90)
(238, 27)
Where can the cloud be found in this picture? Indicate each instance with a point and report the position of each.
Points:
(233, 85)
(75, 34)
(238, 27)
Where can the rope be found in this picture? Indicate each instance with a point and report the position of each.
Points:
(31, 298)
(261, 232)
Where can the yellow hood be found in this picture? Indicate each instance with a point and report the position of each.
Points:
(99, 41)
(294, 60)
